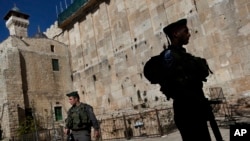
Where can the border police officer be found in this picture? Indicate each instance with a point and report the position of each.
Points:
(183, 83)
(80, 119)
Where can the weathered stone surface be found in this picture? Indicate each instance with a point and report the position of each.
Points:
(28, 80)
(127, 33)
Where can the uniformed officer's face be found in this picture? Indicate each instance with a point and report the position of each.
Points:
(73, 100)
(183, 35)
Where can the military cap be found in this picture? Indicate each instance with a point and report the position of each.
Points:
(74, 94)
(169, 29)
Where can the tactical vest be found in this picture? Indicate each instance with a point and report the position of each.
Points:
(186, 73)
(78, 117)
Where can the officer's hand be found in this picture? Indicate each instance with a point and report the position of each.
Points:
(96, 134)
(66, 131)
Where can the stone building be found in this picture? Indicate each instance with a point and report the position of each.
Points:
(35, 76)
(110, 41)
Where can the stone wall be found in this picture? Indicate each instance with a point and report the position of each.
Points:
(28, 81)
(45, 88)
(11, 91)
(4, 116)
(110, 45)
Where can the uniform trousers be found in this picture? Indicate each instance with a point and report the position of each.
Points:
(82, 135)
(191, 120)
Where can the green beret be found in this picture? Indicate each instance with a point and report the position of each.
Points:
(74, 94)
(169, 29)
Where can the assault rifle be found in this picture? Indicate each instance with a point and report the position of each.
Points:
(213, 122)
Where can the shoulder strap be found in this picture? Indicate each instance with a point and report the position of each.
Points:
(83, 106)
(69, 111)
(86, 107)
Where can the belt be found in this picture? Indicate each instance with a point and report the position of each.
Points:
(77, 129)
(80, 129)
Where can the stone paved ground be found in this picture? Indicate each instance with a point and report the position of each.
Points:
(175, 136)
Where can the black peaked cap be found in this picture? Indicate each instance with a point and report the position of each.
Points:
(74, 93)
(169, 29)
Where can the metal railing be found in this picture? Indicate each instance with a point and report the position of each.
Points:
(42, 135)
(150, 123)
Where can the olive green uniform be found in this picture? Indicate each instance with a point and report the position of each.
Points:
(80, 120)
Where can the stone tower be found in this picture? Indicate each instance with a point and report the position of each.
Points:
(17, 22)
(35, 75)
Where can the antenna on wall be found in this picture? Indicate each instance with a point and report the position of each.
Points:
(38, 29)
(56, 12)
(66, 5)
(61, 6)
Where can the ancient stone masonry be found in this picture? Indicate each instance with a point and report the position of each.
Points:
(11, 87)
(35, 75)
(110, 44)
(29, 81)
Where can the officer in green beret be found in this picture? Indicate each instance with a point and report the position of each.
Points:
(183, 83)
(80, 119)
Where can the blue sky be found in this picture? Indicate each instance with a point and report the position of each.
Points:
(42, 13)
